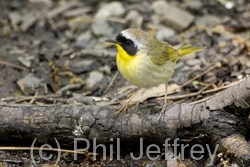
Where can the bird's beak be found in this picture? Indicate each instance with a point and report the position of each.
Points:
(111, 40)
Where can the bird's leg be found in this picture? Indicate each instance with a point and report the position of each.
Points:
(165, 102)
(124, 107)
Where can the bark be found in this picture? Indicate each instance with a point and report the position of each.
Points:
(220, 120)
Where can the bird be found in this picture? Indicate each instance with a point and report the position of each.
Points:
(146, 62)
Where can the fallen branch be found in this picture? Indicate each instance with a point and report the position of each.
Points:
(216, 121)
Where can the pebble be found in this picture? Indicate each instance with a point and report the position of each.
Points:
(15, 19)
(29, 83)
(206, 39)
(114, 8)
(28, 21)
(106, 69)
(196, 67)
(210, 77)
(247, 71)
(102, 28)
(172, 15)
(79, 24)
(83, 40)
(178, 18)
(160, 7)
(80, 66)
(193, 62)
(84, 100)
(179, 65)
(181, 76)
(94, 78)
(48, 3)
(164, 33)
(56, 11)
(77, 12)
(194, 4)
(134, 18)
(208, 20)
(26, 60)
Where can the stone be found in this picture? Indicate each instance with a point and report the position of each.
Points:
(80, 66)
(29, 83)
(178, 18)
(160, 7)
(114, 8)
(102, 28)
(164, 33)
(94, 78)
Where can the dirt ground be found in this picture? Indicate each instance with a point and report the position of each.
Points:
(54, 52)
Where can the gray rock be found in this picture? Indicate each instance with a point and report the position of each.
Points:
(101, 27)
(15, 19)
(208, 20)
(164, 33)
(179, 65)
(193, 62)
(194, 4)
(106, 69)
(134, 18)
(84, 100)
(80, 66)
(28, 21)
(172, 15)
(210, 77)
(177, 18)
(160, 7)
(114, 8)
(55, 12)
(247, 71)
(25, 60)
(29, 83)
(83, 40)
(77, 12)
(94, 78)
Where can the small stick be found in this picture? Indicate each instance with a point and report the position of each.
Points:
(124, 94)
(32, 100)
(112, 81)
(204, 72)
(12, 65)
(79, 151)
(35, 97)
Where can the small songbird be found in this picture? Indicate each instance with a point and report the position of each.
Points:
(145, 61)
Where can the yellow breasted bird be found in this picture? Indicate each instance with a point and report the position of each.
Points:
(145, 61)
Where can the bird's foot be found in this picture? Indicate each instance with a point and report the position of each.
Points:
(168, 102)
(162, 111)
(123, 108)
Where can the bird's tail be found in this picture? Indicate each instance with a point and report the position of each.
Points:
(188, 48)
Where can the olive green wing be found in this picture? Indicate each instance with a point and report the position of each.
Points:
(163, 53)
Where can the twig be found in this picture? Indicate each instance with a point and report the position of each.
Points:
(114, 19)
(78, 151)
(12, 65)
(35, 97)
(124, 94)
(32, 100)
(69, 87)
(112, 81)
(204, 72)
(11, 98)
(214, 90)
(204, 99)
(175, 97)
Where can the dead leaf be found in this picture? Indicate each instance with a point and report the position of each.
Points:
(146, 93)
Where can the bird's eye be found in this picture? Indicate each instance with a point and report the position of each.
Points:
(127, 42)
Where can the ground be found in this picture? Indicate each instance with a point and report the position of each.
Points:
(55, 51)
